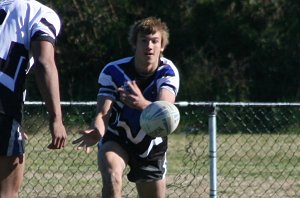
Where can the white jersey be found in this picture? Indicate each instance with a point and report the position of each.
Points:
(21, 21)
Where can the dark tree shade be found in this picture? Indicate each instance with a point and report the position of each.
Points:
(225, 50)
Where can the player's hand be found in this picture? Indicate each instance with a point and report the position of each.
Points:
(59, 135)
(89, 138)
(24, 135)
(132, 96)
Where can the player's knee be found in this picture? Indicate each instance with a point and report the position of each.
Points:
(112, 183)
(114, 179)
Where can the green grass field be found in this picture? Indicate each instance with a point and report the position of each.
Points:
(248, 166)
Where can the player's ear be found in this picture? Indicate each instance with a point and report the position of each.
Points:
(2, 16)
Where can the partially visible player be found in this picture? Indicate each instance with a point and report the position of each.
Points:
(127, 86)
(27, 29)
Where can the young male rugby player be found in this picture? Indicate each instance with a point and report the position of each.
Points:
(27, 29)
(127, 86)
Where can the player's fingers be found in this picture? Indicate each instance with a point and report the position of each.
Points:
(129, 83)
(51, 146)
(54, 146)
(24, 135)
(61, 143)
(122, 94)
(133, 86)
(121, 89)
(57, 143)
(88, 150)
(78, 148)
(81, 146)
(84, 147)
(78, 140)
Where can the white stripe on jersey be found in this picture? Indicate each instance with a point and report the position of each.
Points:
(139, 137)
(23, 20)
(115, 63)
(9, 82)
(172, 81)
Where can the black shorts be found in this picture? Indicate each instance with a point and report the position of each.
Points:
(11, 140)
(151, 168)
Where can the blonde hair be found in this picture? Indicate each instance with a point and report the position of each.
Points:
(146, 26)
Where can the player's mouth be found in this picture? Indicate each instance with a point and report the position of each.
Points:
(149, 54)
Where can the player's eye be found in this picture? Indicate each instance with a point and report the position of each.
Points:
(155, 41)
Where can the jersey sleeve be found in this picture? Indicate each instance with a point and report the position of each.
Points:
(169, 78)
(46, 26)
(107, 86)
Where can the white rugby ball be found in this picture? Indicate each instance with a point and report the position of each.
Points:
(159, 119)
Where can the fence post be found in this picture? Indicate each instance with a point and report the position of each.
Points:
(212, 127)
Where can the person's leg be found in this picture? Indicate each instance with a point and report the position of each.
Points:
(112, 161)
(149, 175)
(11, 175)
(154, 189)
(12, 159)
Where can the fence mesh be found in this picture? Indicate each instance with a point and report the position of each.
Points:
(257, 154)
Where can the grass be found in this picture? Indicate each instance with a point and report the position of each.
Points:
(249, 165)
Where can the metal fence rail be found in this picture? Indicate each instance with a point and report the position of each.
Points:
(219, 150)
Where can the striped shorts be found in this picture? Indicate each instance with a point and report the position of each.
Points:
(11, 140)
(151, 168)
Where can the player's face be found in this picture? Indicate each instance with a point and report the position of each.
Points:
(148, 49)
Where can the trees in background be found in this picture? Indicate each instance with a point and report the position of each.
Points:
(226, 50)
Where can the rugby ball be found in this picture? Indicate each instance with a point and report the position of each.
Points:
(159, 119)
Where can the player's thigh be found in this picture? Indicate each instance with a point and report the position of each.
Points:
(153, 189)
(11, 174)
(112, 157)
(11, 139)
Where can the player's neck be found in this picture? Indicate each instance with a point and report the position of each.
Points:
(145, 69)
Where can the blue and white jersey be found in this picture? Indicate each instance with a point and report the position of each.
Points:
(21, 21)
(124, 121)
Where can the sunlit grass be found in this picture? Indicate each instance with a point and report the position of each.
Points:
(265, 163)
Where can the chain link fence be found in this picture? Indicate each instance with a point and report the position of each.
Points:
(257, 153)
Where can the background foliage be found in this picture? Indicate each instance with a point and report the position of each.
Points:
(225, 50)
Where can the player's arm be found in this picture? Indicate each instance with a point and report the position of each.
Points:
(167, 95)
(46, 75)
(91, 136)
(104, 106)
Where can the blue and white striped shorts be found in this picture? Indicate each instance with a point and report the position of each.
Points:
(11, 140)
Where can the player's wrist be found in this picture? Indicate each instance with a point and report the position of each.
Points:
(98, 133)
(145, 104)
